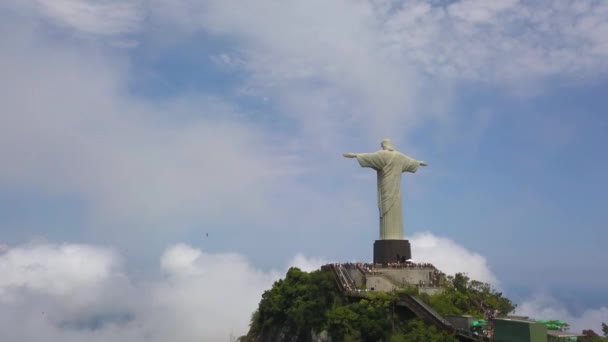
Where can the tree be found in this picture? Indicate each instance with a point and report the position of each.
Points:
(298, 303)
(303, 302)
(418, 331)
(342, 322)
(592, 336)
(375, 316)
(370, 318)
(465, 296)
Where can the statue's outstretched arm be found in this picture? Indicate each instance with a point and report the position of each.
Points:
(350, 155)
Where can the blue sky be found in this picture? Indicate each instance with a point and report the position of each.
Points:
(134, 128)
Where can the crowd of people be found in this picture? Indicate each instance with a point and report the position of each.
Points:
(410, 265)
(435, 278)
(370, 266)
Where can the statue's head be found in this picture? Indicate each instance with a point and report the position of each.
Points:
(387, 145)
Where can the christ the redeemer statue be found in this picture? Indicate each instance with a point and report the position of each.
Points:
(389, 165)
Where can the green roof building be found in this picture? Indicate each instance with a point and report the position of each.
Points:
(517, 330)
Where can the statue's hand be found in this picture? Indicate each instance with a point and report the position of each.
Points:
(350, 155)
(422, 163)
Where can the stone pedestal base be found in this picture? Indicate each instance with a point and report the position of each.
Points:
(391, 251)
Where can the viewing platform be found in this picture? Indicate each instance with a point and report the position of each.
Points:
(352, 280)
(358, 277)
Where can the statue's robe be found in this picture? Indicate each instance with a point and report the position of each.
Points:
(389, 166)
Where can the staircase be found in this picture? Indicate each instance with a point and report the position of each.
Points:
(424, 312)
(346, 284)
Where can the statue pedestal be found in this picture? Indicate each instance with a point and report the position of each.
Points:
(391, 251)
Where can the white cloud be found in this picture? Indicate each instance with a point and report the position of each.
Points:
(205, 295)
(201, 295)
(61, 271)
(324, 69)
(372, 69)
(500, 41)
(69, 126)
(480, 11)
(180, 259)
(544, 306)
(46, 287)
(306, 264)
(76, 292)
(451, 258)
(109, 17)
(354, 69)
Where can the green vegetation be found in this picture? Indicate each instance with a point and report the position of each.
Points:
(305, 302)
(464, 296)
(417, 331)
(367, 320)
(298, 303)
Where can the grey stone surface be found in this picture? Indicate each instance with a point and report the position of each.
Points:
(357, 276)
(389, 165)
(379, 282)
(387, 280)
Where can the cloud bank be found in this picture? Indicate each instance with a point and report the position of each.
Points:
(70, 128)
(75, 292)
(544, 306)
(451, 258)
(81, 292)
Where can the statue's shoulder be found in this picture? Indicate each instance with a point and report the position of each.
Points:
(405, 157)
(395, 154)
(385, 154)
(390, 153)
